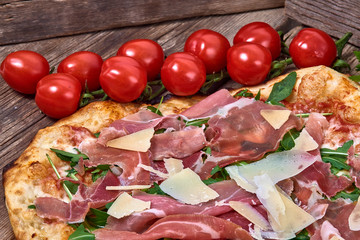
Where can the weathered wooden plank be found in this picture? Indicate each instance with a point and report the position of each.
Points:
(25, 20)
(335, 17)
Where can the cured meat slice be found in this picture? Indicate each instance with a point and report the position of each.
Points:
(209, 105)
(243, 132)
(53, 208)
(177, 144)
(319, 173)
(183, 226)
(128, 161)
(162, 206)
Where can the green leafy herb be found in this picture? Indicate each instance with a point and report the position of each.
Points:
(283, 89)
(356, 78)
(73, 187)
(288, 141)
(161, 130)
(212, 79)
(81, 234)
(353, 196)
(218, 174)
(99, 171)
(156, 109)
(108, 205)
(304, 115)
(244, 93)
(340, 44)
(97, 134)
(337, 158)
(197, 122)
(31, 207)
(97, 218)
(303, 235)
(341, 64)
(207, 150)
(73, 158)
(278, 67)
(155, 190)
(58, 175)
(257, 97)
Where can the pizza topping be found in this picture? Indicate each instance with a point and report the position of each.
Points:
(124, 205)
(276, 118)
(305, 142)
(187, 187)
(173, 165)
(178, 144)
(137, 141)
(182, 226)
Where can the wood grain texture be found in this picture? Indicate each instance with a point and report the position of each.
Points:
(336, 17)
(25, 20)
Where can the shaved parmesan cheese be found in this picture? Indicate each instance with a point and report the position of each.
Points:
(305, 142)
(278, 166)
(293, 220)
(151, 169)
(129, 187)
(269, 196)
(137, 141)
(276, 118)
(354, 218)
(187, 187)
(125, 205)
(173, 165)
(250, 214)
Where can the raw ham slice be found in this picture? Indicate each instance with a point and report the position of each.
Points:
(53, 208)
(127, 160)
(243, 132)
(209, 105)
(183, 226)
(316, 126)
(162, 206)
(96, 194)
(179, 144)
(139, 121)
(326, 232)
(319, 173)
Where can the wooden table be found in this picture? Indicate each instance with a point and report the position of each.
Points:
(19, 115)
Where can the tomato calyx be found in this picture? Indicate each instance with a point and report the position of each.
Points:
(340, 64)
(213, 81)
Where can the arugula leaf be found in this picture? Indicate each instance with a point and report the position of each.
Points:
(283, 89)
(219, 174)
(97, 134)
(288, 141)
(97, 218)
(197, 122)
(207, 150)
(303, 235)
(257, 97)
(31, 207)
(357, 55)
(73, 158)
(355, 78)
(73, 187)
(154, 110)
(353, 196)
(81, 234)
(99, 171)
(108, 205)
(155, 190)
(337, 158)
(244, 93)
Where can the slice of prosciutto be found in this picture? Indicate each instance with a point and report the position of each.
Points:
(162, 206)
(183, 226)
(244, 133)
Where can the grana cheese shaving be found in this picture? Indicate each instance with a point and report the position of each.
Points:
(137, 141)
(276, 118)
(125, 205)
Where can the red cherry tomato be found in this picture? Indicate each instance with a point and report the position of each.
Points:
(146, 52)
(85, 66)
(183, 73)
(22, 70)
(58, 95)
(312, 47)
(260, 33)
(248, 63)
(210, 47)
(123, 78)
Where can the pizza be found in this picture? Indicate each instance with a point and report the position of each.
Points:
(274, 161)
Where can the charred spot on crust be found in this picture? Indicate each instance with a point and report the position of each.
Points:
(33, 235)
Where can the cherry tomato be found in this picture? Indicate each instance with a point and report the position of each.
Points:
(58, 95)
(146, 52)
(85, 66)
(312, 47)
(183, 73)
(22, 70)
(210, 47)
(261, 33)
(123, 78)
(248, 63)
